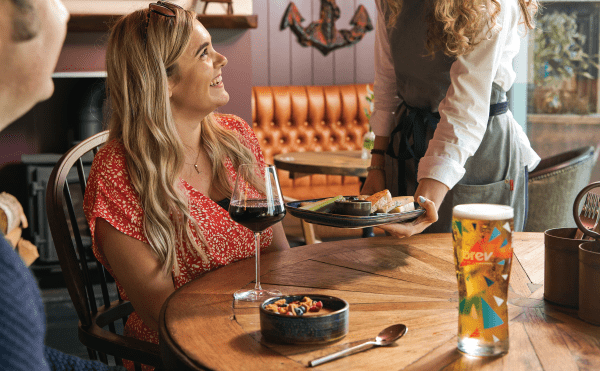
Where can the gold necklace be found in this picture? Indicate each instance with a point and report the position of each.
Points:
(195, 164)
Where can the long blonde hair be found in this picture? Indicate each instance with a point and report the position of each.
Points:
(141, 57)
(454, 25)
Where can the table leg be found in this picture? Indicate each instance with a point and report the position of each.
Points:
(309, 233)
(368, 232)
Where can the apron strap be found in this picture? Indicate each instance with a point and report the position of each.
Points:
(413, 123)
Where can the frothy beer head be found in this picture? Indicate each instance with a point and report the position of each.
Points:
(483, 212)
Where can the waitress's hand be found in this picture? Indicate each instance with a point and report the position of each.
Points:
(374, 183)
(429, 194)
(418, 225)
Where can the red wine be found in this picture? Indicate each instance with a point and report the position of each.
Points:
(254, 214)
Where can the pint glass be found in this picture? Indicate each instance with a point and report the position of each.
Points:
(482, 238)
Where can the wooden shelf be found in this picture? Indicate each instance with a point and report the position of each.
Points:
(102, 22)
(228, 21)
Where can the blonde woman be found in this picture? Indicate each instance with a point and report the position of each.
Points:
(157, 195)
(441, 119)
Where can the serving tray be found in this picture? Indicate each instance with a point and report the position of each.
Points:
(349, 221)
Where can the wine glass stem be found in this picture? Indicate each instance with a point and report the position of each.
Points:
(257, 247)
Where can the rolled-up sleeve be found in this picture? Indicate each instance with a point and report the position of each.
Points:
(464, 111)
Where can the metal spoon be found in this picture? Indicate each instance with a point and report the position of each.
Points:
(385, 337)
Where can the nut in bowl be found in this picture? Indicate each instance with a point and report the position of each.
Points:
(328, 323)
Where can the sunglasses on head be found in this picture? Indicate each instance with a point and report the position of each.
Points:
(164, 8)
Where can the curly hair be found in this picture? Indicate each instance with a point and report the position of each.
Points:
(455, 25)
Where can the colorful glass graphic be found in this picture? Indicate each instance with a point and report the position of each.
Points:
(483, 251)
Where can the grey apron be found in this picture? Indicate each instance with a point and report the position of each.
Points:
(494, 174)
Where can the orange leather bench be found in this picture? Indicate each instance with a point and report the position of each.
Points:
(311, 118)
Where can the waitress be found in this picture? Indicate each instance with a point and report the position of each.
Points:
(443, 129)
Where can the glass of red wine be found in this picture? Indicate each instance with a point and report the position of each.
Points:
(256, 203)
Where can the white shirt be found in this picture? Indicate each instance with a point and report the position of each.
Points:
(464, 111)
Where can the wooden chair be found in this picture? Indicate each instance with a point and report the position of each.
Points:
(82, 271)
(553, 186)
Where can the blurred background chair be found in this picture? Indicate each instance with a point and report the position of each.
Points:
(89, 284)
(553, 186)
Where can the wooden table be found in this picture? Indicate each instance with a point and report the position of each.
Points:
(300, 164)
(386, 281)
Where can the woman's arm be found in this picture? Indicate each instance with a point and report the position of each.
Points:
(375, 180)
(386, 101)
(464, 111)
(280, 241)
(137, 269)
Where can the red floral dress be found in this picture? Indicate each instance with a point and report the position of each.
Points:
(110, 195)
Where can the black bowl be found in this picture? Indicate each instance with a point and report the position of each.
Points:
(306, 329)
(352, 207)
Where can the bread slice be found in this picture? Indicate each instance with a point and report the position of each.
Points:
(384, 208)
(380, 200)
(402, 204)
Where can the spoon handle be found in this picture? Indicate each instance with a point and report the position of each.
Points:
(342, 353)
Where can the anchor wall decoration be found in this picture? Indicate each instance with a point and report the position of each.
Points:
(322, 34)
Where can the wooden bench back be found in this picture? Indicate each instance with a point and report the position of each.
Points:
(309, 118)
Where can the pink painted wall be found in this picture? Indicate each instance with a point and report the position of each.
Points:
(85, 52)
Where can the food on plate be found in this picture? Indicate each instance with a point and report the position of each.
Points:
(323, 205)
(402, 204)
(295, 308)
(380, 201)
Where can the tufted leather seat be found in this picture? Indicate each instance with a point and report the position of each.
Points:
(310, 118)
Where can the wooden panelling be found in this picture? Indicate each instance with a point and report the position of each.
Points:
(364, 55)
(278, 59)
(279, 41)
(260, 43)
(301, 70)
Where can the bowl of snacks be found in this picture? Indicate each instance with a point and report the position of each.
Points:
(304, 319)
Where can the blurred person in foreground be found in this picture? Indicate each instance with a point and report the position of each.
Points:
(441, 119)
(158, 192)
(31, 36)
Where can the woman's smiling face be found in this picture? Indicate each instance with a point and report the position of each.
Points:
(197, 87)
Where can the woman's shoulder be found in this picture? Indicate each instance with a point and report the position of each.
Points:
(111, 158)
(509, 11)
(232, 122)
(111, 149)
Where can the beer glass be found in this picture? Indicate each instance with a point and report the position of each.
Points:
(482, 239)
